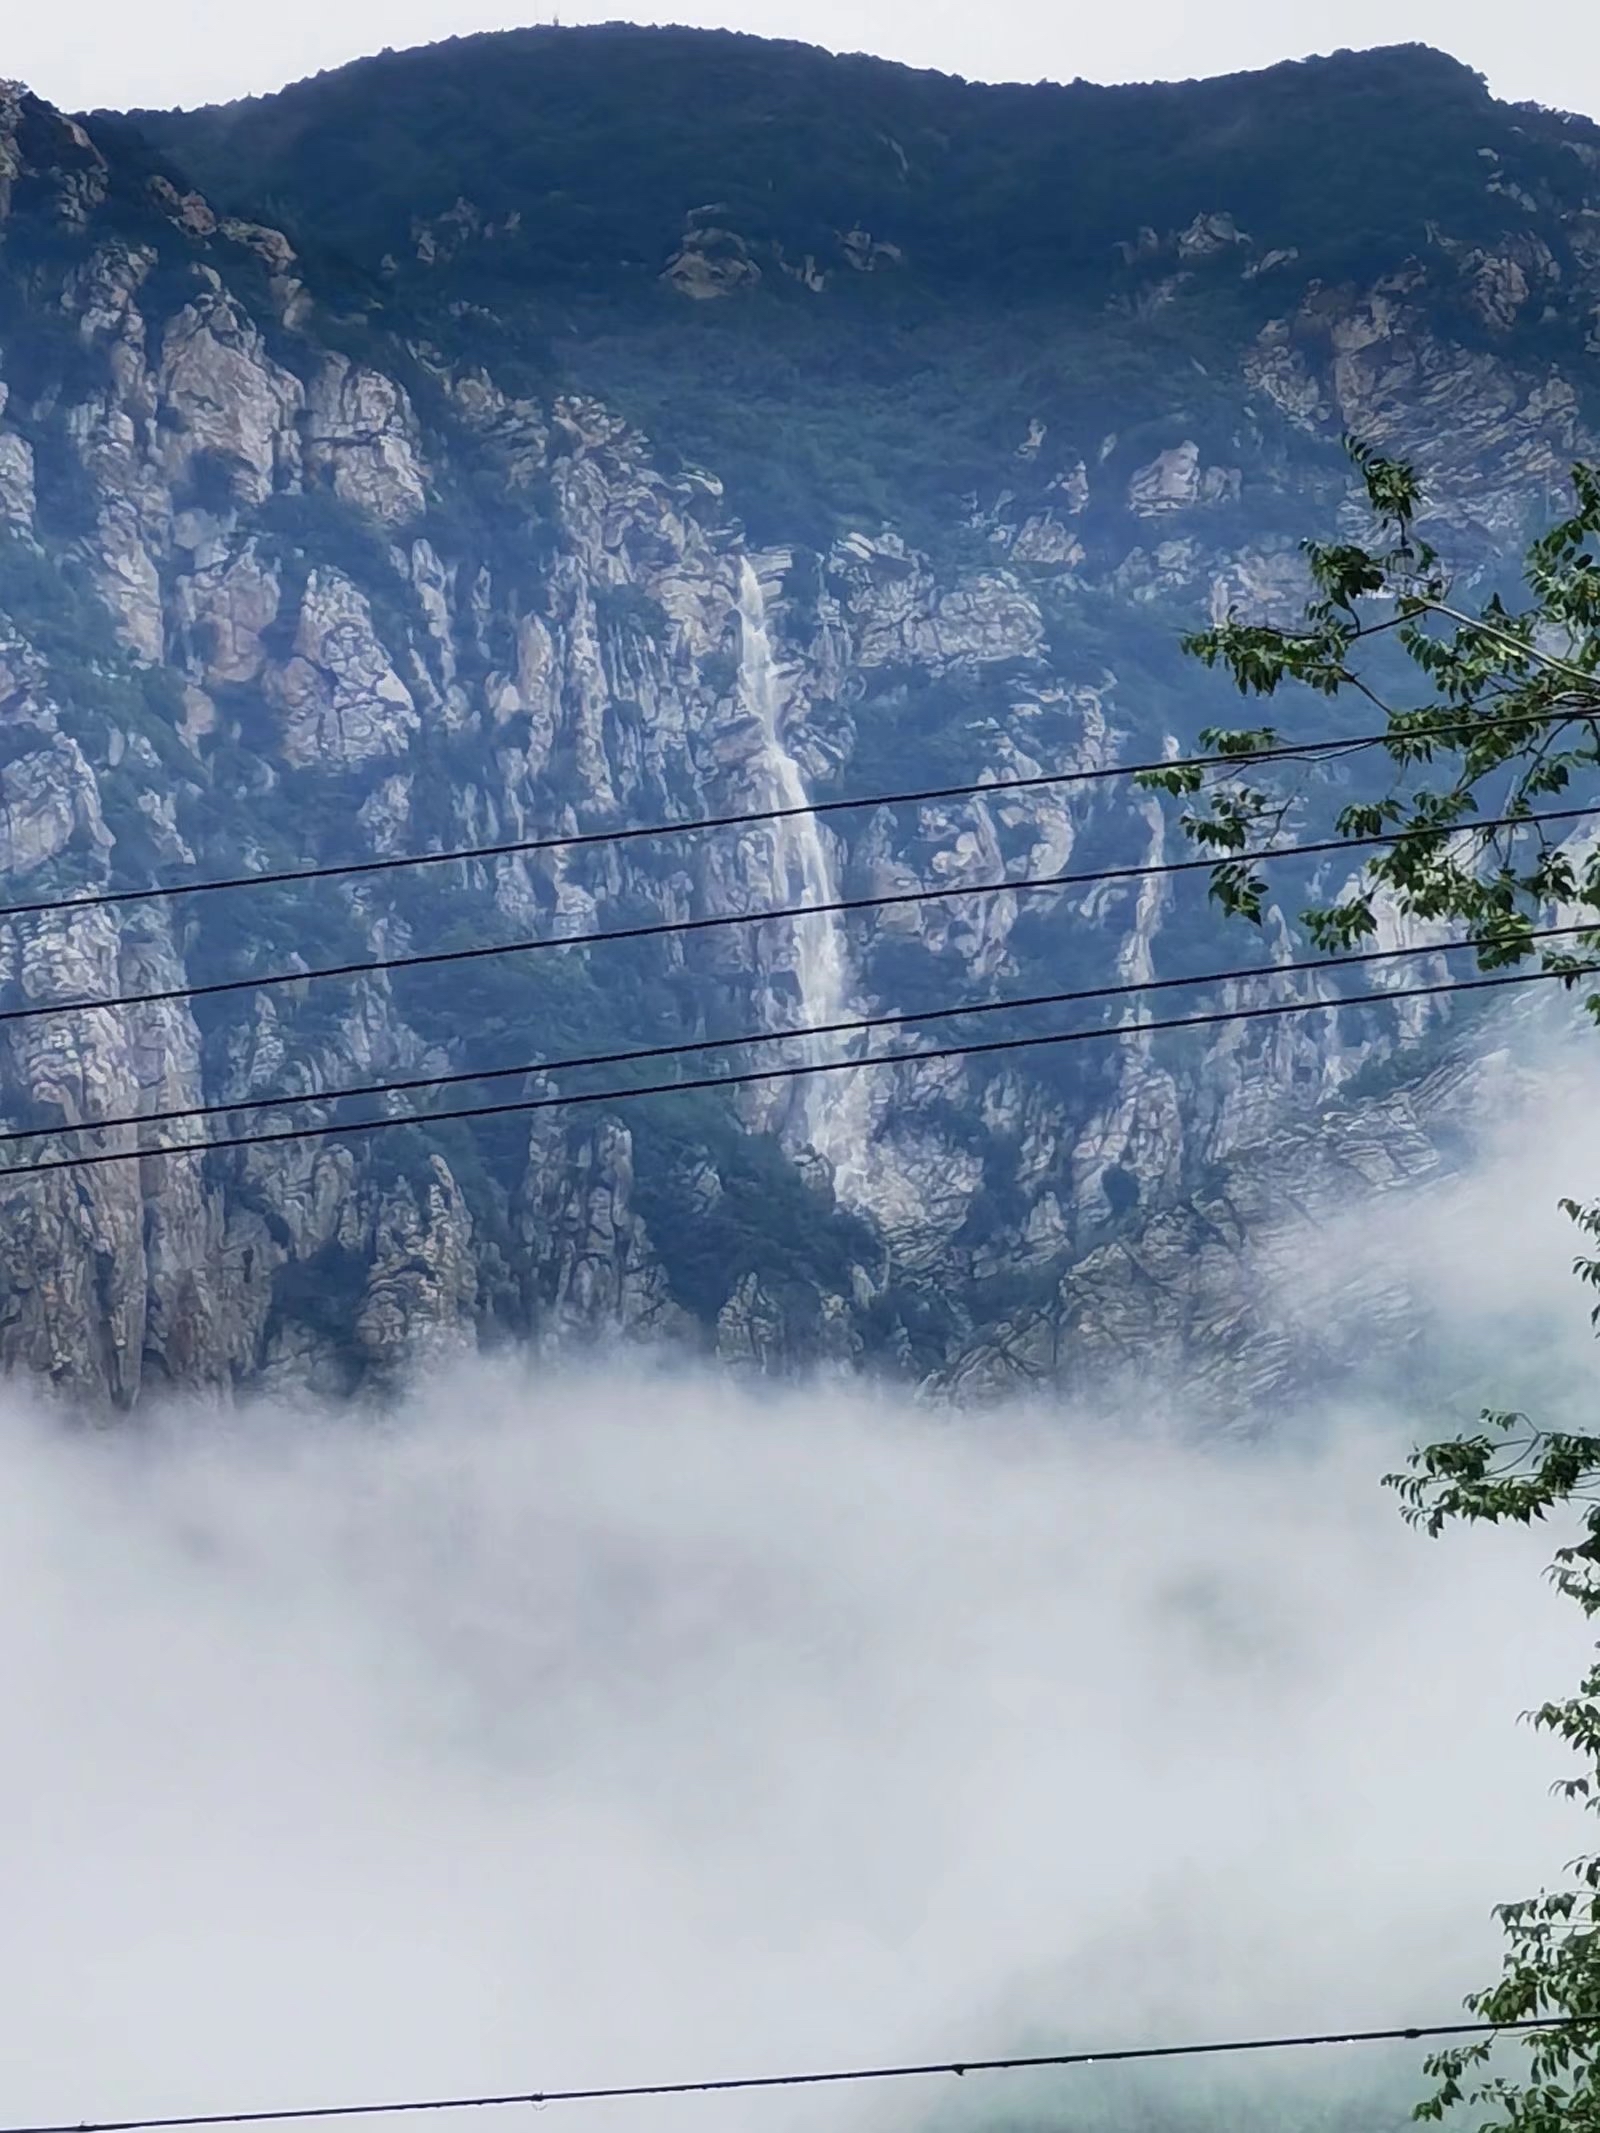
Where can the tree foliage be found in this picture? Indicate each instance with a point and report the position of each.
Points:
(1511, 1471)
(604, 138)
(514, 198)
(1502, 719)
(1504, 715)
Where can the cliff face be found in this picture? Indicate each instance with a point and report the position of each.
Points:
(310, 558)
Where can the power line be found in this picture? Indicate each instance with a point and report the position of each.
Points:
(792, 1073)
(636, 2091)
(1310, 751)
(693, 1046)
(658, 929)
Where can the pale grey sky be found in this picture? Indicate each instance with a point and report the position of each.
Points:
(94, 52)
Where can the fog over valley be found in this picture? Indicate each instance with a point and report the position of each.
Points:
(614, 1723)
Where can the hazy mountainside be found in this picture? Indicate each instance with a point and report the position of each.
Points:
(572, 430)
(917, 256)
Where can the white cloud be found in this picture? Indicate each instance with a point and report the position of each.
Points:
(614, 1725)
(592, 1727)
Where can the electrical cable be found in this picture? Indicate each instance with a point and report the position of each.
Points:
(990, 1046)
(658, 929)
(1125, 2055)
(692, 1046)
(1311, 751)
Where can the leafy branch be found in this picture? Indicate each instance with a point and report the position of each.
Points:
(1507, 713)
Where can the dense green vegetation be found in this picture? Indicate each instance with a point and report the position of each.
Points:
(998, 188)
(878, 403)
(1015, 289)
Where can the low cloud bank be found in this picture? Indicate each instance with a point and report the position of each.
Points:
(614, 1725)
(605, 1727)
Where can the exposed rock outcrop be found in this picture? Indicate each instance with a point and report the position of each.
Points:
(266, 604)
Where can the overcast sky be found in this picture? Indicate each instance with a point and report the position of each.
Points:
(103, 52)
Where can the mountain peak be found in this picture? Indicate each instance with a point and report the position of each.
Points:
(575, 431)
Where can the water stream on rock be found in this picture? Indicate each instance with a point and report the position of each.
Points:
(832, 1107)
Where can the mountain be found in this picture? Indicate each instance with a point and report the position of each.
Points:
(914, 256)
(568, 431)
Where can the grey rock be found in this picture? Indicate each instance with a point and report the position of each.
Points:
(307, 671)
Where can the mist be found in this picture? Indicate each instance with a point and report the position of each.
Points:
(626, 1723)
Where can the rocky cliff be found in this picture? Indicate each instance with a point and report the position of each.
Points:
(438, 520)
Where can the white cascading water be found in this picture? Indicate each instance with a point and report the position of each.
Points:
(831, 1106)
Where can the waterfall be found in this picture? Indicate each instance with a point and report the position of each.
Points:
(832, 1107)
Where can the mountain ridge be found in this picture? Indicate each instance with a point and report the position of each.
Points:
(332, 557)
(854, 130)
(801, 292)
